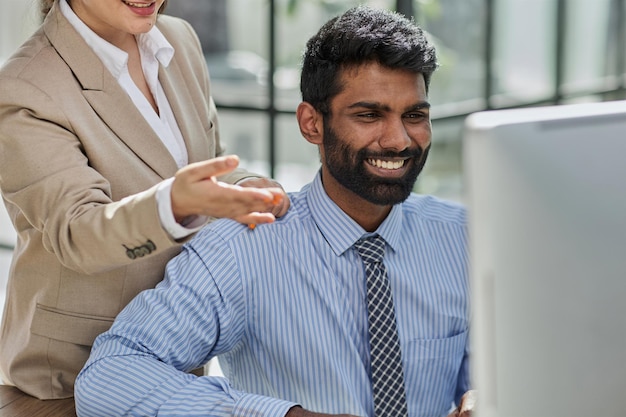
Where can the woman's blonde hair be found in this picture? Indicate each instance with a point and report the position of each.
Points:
(46, 5)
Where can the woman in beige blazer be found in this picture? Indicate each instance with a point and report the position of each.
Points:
(92, 187)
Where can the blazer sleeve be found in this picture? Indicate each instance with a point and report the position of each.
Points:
(50, 187)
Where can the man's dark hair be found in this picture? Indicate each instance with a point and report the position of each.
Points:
(362, 35)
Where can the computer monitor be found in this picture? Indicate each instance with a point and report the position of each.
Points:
(546, 194)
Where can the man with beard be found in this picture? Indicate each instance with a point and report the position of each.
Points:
(285, 306)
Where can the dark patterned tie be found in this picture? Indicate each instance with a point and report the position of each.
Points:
(386, 356)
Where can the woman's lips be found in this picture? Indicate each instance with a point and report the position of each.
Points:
(142, 9)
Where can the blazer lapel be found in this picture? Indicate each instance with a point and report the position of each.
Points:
(188, 115)
(106, 96)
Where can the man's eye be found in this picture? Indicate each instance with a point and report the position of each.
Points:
(416, 116)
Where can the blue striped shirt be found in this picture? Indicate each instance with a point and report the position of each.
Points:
(284, 308)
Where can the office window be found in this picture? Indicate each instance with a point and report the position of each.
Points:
(590, 58)
(297, 159)
(524, 48)
(245, 133)
(460, 79)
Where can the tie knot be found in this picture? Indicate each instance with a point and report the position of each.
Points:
(371, 249)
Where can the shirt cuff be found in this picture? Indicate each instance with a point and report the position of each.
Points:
(258, 405)
(164, 205)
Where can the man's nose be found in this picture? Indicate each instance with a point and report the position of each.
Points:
(395, 137)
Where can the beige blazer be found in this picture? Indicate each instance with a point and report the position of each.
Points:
(78, 169)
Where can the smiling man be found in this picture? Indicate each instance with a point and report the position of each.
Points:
(296, 310)
(373, 139)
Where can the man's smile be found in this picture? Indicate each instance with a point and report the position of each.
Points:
(381, 163)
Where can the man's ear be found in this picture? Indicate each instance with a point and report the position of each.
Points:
(311, 123)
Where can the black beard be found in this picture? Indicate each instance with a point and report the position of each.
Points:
(348, 168)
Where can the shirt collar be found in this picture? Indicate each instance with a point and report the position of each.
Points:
(339, 230)
(152, 43)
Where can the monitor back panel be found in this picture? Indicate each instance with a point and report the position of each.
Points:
(547, 208)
